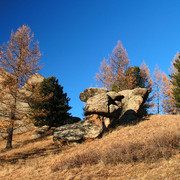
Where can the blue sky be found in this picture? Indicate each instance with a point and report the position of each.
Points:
(75, 35)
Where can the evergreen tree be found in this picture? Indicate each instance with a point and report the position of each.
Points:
(134, 75)
(175, 80)
(52, 111)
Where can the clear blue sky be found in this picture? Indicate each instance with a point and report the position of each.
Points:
(75, 35)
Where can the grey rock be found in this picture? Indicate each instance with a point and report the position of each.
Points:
(132, 101)
(21, 104)
(90, 92)
(40, 132)
(115, 96)
(77, 132)
(101, 104)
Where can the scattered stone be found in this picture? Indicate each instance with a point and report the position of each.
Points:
(40, 132)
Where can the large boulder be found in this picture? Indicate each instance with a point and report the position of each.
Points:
(90, 92)
(114, 107)
(77, 132)
(101, 104)
(133, 99)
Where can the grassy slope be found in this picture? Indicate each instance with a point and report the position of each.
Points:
(148, 150)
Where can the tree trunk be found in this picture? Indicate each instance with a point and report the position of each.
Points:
(9, 137)
(10, 129)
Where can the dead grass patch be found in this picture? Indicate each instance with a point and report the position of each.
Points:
(163, 146)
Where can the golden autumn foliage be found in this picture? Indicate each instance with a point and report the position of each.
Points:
(148, 83)
(168, 102)
(112, 70)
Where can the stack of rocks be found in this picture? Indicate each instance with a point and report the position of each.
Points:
(103, 110)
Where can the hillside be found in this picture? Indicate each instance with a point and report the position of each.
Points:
(147, 150)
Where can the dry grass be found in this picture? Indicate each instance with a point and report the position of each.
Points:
(148, 150)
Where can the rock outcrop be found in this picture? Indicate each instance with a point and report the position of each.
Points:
(21, 105)
(131, 103)
(103, 110)
(76, 132)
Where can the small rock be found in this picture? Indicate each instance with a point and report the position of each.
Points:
(40, 132)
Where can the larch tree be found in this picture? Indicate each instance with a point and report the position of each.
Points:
(145, 81)
(157, 81)
(104, 77)
(112, 70)
(19, 60)
(168, 103)
(175, 80)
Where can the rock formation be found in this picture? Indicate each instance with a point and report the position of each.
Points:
(77, 132)
(22, 106)
(103, 110)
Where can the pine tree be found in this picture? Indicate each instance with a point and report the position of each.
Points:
(134, 77)
(52, 111)
(175, 80)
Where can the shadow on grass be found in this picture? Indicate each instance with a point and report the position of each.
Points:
(12, 159)
(30, 154)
